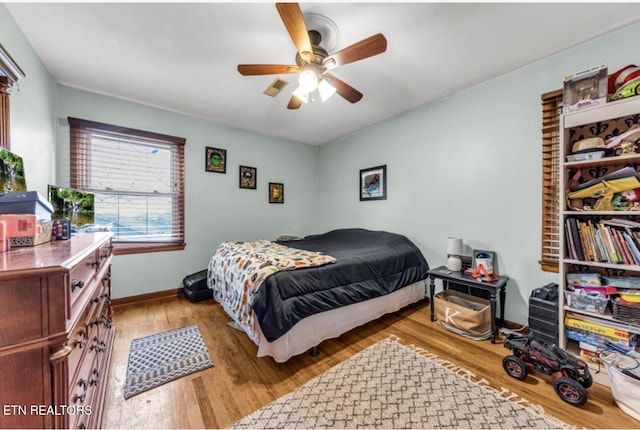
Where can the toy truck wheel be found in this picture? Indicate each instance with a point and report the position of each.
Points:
(515, 367)
(587, 382)
(570, 391)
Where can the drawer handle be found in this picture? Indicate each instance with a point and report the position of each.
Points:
(95, 264)
(76, 284)
(80, 343)
(82, 425)
(80, 397)
(106, 321)
(102, 320)
(107, 277)
(96, 380)
(100, 346)
(95, 300)
(106, 298)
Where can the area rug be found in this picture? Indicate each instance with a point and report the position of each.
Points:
(390, 385)
(157, 359)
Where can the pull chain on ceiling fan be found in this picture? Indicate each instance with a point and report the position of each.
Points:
(313, 61)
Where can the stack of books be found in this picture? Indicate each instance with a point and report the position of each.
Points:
(598, 335)
(611, 241)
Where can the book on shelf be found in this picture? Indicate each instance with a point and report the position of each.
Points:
(619, 325)
(588, 347)
(604, 241)
(596, 327)
(621, 222)
(599, 341)
(590, 356)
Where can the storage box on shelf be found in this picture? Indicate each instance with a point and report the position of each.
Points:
(600, 216)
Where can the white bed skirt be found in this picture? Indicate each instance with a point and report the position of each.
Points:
(330, 324)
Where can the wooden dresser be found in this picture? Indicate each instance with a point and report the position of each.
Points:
(55, 333)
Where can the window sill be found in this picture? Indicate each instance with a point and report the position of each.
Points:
(143, 248)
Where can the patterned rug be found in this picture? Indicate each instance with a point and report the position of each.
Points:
(157, 359)
(389, 385)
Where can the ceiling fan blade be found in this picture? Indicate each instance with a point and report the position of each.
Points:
(345, 90)
(294, 103)
(266, 69)
(366, 48)
(291, 16)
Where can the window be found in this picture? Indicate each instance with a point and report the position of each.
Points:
(138, 181)
(551, 110)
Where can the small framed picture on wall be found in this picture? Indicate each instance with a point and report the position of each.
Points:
(215, 160)
(248, 177)
(373, 183)
(276, 192)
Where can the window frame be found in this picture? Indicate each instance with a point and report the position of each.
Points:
(550, 237)
(79, 127)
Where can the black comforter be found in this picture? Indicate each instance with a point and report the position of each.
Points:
(369, 264)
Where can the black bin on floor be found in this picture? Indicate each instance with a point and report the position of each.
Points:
(195, 287)
(543, 313)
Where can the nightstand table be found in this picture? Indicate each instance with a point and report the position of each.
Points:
(460, 278)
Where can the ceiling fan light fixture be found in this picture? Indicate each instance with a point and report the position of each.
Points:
(325, 89)
(301, 94)
(308, 79)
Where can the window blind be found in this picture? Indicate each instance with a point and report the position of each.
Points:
(550, 249)
(137, 178)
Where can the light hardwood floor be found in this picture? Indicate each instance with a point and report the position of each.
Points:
(240, 383)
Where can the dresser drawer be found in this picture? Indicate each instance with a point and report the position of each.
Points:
(82, 277)
(82, 394)
(83, 341)
(80, 384)
(78, 342)
(105, 251)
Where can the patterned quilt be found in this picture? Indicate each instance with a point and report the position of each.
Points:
(238, 269)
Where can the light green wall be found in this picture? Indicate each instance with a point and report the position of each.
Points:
(466, 166)
(216, 209)
(32, 108)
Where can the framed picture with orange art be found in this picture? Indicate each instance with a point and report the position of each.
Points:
(248, 177)
(276, 192)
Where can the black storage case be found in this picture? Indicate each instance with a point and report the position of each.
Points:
(195, 287)
(543, 313)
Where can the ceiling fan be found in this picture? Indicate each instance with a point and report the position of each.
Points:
(313, 61)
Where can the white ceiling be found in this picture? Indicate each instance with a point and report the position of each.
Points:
(183, 56)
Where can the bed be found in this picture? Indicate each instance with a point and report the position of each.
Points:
(290, 296)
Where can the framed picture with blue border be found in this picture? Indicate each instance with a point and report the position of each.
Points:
(373, 183)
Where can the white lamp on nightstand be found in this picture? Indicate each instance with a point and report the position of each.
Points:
(454, 251)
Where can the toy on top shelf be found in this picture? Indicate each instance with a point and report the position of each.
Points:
(571, 375)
